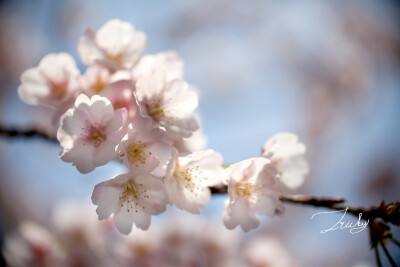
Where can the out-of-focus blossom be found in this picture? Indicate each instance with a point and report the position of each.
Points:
(75, 238)
(140, 248)
(82, 237)
(169, 104)
(196, 142)
(189, 176)
(131, 198)
(145, 148)
(219, 245)
(252, 188)
(95, 79)
(267, 251)
(32, 245)
(116, 45)
(90, 131)
(168, 62)
(120, 94)
(287, 155)
(121, 75)
(52, 82)
(189, 241)
(180, 243)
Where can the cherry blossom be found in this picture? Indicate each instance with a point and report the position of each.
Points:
(140, 248)
(82, 236)
(287, 155)
(196, 142)
(168, 62)
(52, 82)
(192, 241)
(95, 79)
(169, 104)
(220, 245)
(138, 109)
(90, 131)
(189, 176)
(120, 94)
(145, 148)
(32, 245)
(132, 198)
(252, 188)
(180, 243)
(267, 251)
(116, 45)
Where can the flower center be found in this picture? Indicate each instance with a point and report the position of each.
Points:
(115, 57)
(136, 153)
(119, 105)
(59, 89)
(155, 108)
(99, 86)
(97, 136)
(131, 195)
(93, 135)
(245, 189)
(189, 177)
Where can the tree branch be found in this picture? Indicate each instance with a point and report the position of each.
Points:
(389, 213)
(12, 132)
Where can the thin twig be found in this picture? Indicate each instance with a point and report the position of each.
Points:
(312, 200)
(388, 255)
(334, 204)
(378, 258)
(395, 241)
(12, 132)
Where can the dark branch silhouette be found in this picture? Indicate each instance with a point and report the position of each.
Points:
(12, 132)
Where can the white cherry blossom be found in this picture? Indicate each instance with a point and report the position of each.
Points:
(180, 242)
(52, 82)
(197, 142)
(32, 245)
(267, 251)
(95, 79)
(83, 238)
(132, 198)
(252, 189)
(140, 248)
(287, 155)
(145, 148)
(90, 131)
(168, 62)
(169, 104)
(120, 94)
(116, 45)
(189, 176)
(220, 245)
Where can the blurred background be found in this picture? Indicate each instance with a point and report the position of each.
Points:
(325, 70)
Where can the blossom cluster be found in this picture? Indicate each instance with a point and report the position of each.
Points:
(138, 109)
(73, 238)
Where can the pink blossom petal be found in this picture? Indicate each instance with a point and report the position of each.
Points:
(236, 214)
(105, 196)
(123, 221)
